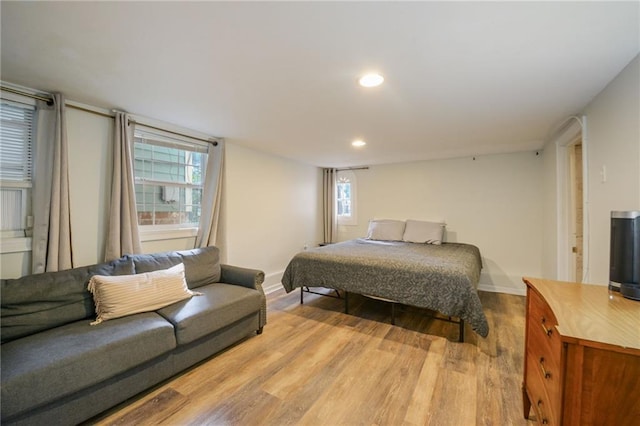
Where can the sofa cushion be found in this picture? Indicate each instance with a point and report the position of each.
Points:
(220, 305)
(52, 364)
(201, 265)
(152, 262)
(122, 295)
(39, 302)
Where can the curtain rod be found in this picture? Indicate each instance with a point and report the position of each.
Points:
(92, 111)
(212, 141)
(353, 168)
(49, 100)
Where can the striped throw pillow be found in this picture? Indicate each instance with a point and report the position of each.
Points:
(122, 295)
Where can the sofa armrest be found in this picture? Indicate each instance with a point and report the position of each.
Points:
(246, 277)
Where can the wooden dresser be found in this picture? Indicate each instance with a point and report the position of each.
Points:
(582, 355)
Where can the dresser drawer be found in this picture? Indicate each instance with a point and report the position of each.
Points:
(547, 380)
(544, 354)
(544, 410)
(541, 333)
(547, 349)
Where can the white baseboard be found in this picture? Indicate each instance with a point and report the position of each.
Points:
(272, 282)
(502, 289)
(272, 288)
(500, 282)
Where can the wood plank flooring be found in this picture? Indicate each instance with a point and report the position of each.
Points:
(314, 365)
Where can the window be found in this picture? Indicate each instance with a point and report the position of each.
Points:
(17, 130)
(169, 178)
(346, 197)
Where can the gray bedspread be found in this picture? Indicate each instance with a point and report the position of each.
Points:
(442, 278)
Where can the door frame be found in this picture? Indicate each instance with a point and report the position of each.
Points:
(574, 130)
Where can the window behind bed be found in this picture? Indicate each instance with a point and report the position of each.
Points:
(346, 198)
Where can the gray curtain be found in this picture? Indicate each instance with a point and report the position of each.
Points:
(329, 204)
(51, 243)
(123, 236)
(211, 196)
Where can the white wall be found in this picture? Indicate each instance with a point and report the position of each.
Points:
(493, 202)
(613, 137)
(15, 261)
(90, 163)
(550, 215)
(270, 204)
(271, 210)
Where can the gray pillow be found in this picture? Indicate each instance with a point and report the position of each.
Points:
(201, 266)
(418, 231)
(386, 230)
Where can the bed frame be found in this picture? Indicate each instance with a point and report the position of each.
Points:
(337, 295)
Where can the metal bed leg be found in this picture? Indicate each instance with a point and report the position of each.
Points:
(461, 334)
(306, 289)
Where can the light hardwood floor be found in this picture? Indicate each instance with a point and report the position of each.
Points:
(314, 365)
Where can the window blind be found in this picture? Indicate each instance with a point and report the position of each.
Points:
(17, 128)
(16, 147)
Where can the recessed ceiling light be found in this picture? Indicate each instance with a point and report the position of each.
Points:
(358, 143)
(371, 80)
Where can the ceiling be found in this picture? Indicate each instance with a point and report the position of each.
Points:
(461, 78)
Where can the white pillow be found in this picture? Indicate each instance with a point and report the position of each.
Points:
(385, 230)
(417, 231)
(120, 295)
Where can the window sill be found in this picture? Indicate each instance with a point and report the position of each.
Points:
(156, 234)
(15, 245)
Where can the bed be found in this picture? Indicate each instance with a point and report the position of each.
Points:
(441, 278)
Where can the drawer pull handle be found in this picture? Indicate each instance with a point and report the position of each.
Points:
(545, 373)
(544, 420)
(547, 331)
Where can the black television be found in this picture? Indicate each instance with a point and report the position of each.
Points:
(624, 264)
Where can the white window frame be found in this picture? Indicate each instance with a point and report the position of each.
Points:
(350, 176)
(17, 240)
(151, 232)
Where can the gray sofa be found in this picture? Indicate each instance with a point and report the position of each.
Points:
(58, 369)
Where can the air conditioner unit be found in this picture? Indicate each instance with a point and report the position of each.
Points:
(170, 194)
